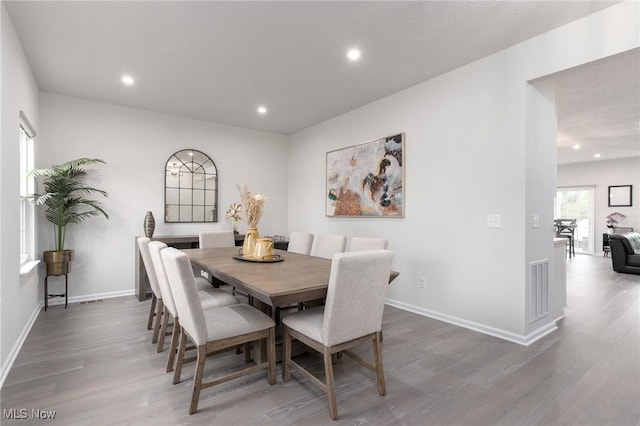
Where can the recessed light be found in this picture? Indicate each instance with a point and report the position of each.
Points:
(354, 54)
(262, 110)
(597, 155)
(127, 80)
(576, 146)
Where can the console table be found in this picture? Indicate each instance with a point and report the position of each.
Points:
(606, 249)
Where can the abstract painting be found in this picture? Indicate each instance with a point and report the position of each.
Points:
(367, 180)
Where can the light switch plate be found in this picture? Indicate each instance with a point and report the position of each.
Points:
(535, 221)
(493, 221)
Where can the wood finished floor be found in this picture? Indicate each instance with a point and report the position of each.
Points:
(94, 365)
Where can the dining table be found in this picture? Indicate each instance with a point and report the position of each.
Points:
(289, 279)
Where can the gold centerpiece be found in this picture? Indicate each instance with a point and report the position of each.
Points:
(253, 207)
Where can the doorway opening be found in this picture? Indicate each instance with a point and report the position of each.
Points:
(578, 203)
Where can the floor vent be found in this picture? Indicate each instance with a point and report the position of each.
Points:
(538, 290)
(91, 301)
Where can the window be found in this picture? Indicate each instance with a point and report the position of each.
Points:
(27, 219)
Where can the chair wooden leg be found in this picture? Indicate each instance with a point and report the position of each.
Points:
(152, 312)
(182, 347)
(377, 353)
(271, 356)
(197, 379)
(331, 391)
(286, 355)
(163, 329)
(173, 346)
(156, 327)
(247, 352)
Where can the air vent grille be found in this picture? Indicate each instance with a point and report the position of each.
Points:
(538, 290)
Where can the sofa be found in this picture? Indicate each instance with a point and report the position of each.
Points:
(625, 252)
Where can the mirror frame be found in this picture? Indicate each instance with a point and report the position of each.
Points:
(190, 188)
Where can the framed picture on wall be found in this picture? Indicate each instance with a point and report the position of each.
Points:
(366, 180)
(620, 196)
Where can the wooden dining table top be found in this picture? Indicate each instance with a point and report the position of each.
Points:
(297, 278)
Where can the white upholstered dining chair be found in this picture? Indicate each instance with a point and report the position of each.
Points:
(216, 239)
(300, 242)
(157, 307)
(365, 243)
(214, 330)
(326, 246)
(352, 315)
(210, 297)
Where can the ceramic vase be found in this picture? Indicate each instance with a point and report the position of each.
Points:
(250, 237)
(149, 224)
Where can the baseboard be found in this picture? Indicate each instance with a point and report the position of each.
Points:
(89, 297)
(15, 350)
(524, 340)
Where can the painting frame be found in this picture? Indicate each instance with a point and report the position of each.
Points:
(367, 180)
(620, 196)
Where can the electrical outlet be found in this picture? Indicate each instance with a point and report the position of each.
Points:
(204, 274)
(422, 282)
(493, 221)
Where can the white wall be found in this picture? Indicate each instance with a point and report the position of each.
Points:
(601, 175)
(136, 145)
(18, 295)
(470, 152)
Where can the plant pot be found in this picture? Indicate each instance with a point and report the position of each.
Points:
(58, 262)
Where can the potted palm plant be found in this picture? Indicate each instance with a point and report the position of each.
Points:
(65, 198)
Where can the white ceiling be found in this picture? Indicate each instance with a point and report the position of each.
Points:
(598, 107)
(218, 61)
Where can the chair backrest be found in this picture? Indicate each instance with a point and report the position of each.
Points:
(155, 247)
(364, 243)
(185, 294)
(216, 239)
(300, 242)
(327, 245)
(143, 246)
(358, 285)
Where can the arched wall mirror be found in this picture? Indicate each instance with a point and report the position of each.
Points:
(190, 188)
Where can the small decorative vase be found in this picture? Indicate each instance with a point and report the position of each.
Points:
(149, 224)
(250, 238)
